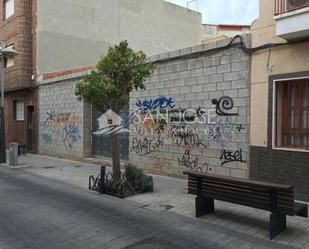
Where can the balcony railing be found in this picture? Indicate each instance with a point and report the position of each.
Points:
(283, 6)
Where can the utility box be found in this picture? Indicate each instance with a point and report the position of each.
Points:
(13, 154)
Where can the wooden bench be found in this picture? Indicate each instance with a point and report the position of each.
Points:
(276, 198)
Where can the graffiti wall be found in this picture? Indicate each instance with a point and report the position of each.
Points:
(194, 115)
(61, 128)
(64, 124)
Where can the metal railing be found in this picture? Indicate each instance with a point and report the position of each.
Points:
(105, 183)
(283, 6)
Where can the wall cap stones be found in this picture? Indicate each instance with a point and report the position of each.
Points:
(211, 45)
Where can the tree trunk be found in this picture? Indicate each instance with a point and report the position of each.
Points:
(115, 158)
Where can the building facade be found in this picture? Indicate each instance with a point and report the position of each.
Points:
(17, 29)
(52, 36)
(279, 95)
(76, 33)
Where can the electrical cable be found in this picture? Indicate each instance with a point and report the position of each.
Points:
(241, 44)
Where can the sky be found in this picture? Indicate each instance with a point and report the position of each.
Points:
(224, 11)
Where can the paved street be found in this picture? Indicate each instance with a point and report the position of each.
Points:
(40, 211)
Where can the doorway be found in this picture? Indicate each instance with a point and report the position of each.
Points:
(30, 129)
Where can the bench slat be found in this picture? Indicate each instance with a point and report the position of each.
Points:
(249, 196)
(260, 190)
(282, 195)
(251, 200)
(252, 203)
(285, 196)
(264, 193)
(253, 183)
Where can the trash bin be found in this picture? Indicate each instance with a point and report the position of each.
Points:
(13, 154)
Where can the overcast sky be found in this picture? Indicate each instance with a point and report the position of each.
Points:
(225, 11)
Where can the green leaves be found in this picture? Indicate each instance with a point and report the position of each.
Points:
(118, 73)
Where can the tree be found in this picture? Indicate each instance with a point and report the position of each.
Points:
(117, 74)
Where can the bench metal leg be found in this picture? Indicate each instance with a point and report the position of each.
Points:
(203, 206)
(277, 224)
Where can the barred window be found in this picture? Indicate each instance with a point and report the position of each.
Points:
(19, 110)
(292, 114)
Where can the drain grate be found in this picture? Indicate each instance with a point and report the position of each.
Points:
(153, 244)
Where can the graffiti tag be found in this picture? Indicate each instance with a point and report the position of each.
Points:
(46, 138)
(192, 163)
(231, 156)
(224, 104)
(223, 132)
(187, 137)
(146, 145)
(161, 102)
(161, 164)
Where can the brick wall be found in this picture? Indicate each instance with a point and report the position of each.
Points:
(64, 127)
(19, 30)
(216, 81)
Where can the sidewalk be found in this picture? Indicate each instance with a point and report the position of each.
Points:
(171, 194)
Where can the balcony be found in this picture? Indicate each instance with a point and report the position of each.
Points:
(292, 19)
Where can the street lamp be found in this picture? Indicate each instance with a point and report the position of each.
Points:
(4, 52)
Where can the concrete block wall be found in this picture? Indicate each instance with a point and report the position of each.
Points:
(64, 126)
(215, 81)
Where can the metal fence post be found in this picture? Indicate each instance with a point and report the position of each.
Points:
(102, 180)
(2, 137)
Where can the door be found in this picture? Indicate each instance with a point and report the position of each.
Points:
(30, 129)
(102, 145)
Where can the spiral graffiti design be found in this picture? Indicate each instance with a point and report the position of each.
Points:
(224, 104)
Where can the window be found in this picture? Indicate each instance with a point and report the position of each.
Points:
(296, 4)
(19, 110)
(292, 114)
(283, 6)
(9, 61)
(9, 8)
